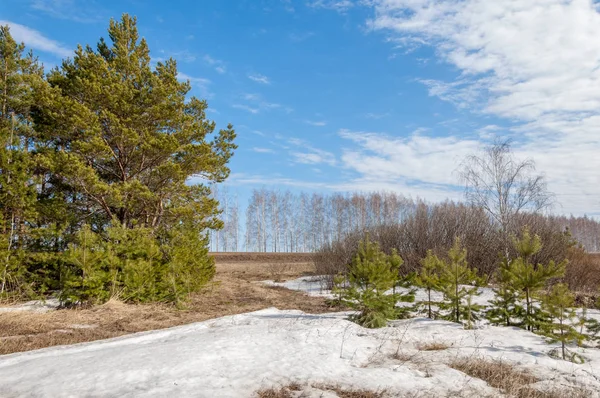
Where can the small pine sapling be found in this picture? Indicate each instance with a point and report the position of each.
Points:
(529, 278)
(505, 306)
(371, 275)
(559, 304)
(458, 282)
(428, 278)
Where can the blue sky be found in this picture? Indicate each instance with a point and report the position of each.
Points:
(370, 94)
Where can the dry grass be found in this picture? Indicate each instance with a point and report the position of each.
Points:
(510, 380)
(432, 346)
(232, 293)
(353, 393)
(282, 392)
(286, 391)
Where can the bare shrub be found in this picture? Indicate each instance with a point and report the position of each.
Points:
(279, 270)
(583, 273)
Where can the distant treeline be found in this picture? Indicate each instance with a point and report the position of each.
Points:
(282, 221)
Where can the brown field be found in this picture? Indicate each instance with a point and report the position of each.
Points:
(234, 291)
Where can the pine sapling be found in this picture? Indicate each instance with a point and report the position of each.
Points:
(559, 304)
(457, 282)
(529, 278)
(428, 278)
(505, 306)
(371, 275)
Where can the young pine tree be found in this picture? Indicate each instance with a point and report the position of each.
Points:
(529, 278)
(458, 283)
(559, 304)
(371, 276)
(505, 307)
(428, 278)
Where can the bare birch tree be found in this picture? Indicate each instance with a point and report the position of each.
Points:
(503, 185)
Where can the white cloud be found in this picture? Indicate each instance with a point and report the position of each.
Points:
(199, 83)
(417, 158)
(318, 123)
(308, 154)
(255, 104)
(216, 63)
(262, 150)
(258, 78)
(84, 12)
(35, 40)
(534, 62)
(337, 5)
(246, 108)
(372, 115)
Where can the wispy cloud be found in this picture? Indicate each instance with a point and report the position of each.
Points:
(216, 63)
(246, 108)
(337, 5)
(372, 115)
(35, 40)
(308, 154)
(255, 104)
(258, 78)
(299, 37)
(199, 83)
(83, 12)
(262, 150)
(318, 123)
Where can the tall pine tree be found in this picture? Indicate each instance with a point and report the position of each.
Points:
(20, 75)
(122, 138)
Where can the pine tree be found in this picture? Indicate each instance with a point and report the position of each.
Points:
(505, 307)
(559, 304)
(119, 142)
(529, 279)
(371, 276)
(428, 278)
(458, 282)
(20, 75)
(122, 138)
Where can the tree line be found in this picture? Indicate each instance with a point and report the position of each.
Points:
(284, 221)
(95, 159)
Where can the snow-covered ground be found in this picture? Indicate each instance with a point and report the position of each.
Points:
(33, 306)
(235, 356)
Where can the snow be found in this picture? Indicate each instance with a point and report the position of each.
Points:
(34, 306)
(237, 355)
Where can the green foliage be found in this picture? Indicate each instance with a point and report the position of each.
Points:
(559, 304)
(505, 308)
(129, 263)
(19, 76)
(370, 277)
(428, 278)
(458, 283)
(95, 162)
(529, 278)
